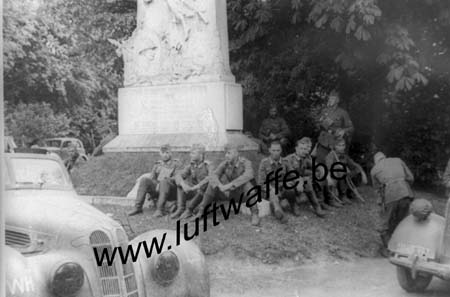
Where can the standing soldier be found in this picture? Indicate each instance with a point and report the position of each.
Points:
(391, 178)
(334, 123)
(339, 180)
(274, 128)
(231, 178)
(159, 182)
(273, 163)
(192, 182)
(301, 161)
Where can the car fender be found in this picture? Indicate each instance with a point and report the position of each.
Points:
(192, 278)
(20, 279)
(411, 233)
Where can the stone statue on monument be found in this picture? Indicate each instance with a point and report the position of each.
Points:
(174, 41)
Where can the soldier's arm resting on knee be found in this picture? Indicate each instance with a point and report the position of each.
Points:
(245, 177)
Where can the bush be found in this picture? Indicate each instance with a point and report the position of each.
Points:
(27, 122)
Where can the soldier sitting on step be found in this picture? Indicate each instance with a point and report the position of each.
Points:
(231, 178)
(338, 183)
(277, 193)
(301, 161)
(160, 182)
(192, 182)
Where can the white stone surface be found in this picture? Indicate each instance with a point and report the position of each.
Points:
(176, 41)
(184, 108)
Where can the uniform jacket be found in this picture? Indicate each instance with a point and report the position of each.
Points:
(162, 170)
(195, 173)
(302, 165)
(268, 165)
(276, 126)
(238, 174)
(393, 176)
(331, 120)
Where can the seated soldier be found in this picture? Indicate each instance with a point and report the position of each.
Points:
(231, 178)
(351, 168)
(192, 182)
(159, 182)
(301, 161)
(274, 128)
(271, 164)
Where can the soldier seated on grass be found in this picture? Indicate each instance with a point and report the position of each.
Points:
(301, 162)
(192, 182)
(277, 192)
(160, 182)
(231, 178)
(337, 182)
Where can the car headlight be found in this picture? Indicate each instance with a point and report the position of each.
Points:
(67, 279)
(165, 268)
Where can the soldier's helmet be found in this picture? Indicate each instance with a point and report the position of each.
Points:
(305, 141)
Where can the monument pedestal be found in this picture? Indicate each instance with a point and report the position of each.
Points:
(181, 115)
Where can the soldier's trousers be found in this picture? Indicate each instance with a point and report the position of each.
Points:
(167, 191)
(212, 194)
(391, 215)
(191, 199)
(146, 185)
(289, 195)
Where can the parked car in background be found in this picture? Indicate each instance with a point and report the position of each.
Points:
(51, 235)
(65, 147)
(420, 247)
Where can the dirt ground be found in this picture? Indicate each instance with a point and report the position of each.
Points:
(346, 233)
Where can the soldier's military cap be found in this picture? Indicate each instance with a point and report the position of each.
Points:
(165, 148)
(198, 147)
(305, 140)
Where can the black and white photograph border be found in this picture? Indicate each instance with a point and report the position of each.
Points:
(225, 148)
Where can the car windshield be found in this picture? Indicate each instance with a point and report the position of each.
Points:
(42, 172)
(53, 143)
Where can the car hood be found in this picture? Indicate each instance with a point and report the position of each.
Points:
(53, 212)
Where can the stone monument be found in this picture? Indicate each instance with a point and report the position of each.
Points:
(178, 87)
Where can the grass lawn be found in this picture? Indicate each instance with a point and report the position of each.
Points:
(346, 233)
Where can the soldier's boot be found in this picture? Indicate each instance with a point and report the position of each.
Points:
(325, 206)
(159, 212)
(345, 200)
(278, 211)
(321, 199)
(186, 214)
(136, 211)
(295, 208)
(181, 206)
(255, 215)
(315, 204)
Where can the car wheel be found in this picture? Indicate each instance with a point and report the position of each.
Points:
(406, 281)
